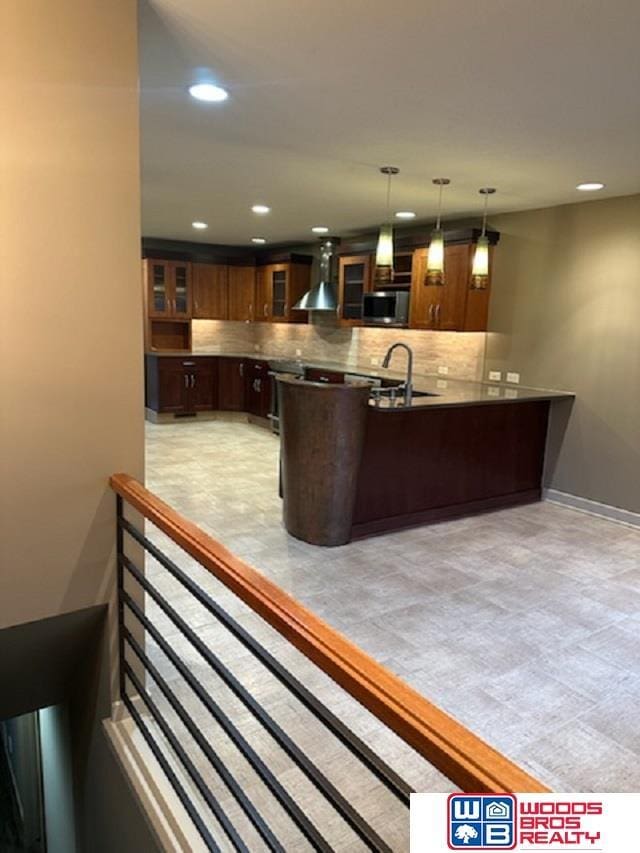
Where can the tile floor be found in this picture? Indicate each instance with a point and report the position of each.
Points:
(522, 623)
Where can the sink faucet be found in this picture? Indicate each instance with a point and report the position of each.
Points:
(408, 386)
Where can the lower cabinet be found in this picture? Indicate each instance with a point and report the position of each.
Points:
(257, 388)
(231, 385)
(181, 385)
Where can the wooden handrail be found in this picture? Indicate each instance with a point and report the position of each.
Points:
(460, 755)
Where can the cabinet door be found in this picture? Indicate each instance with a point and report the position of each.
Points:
(180, 291)
(354, 281)
(424, 298)
(263, 293)
(158, 282)
(210, 292)
(278, 277)
(453, 295)
(203, 391)
(173, 385)
(257, 388)
(476, 313)
(231, 385)
(242, 281)
(298, 284)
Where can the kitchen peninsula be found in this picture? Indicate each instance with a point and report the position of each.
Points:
(460, 447)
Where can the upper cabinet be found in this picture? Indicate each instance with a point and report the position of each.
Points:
(210, 291)
(168, 288)
(453, 306)
(354, 280)
(242, 293)
(278, 288)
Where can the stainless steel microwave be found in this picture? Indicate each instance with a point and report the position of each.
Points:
(385, 308)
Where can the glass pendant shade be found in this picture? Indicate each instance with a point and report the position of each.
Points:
(480, 268)
(435, 258)
(384, 254)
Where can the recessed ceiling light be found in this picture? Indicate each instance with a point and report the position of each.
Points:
(261, 209)
(405, 214)
(258, 240)
(208, 92)
(320, 229)
(590, 186)
(199, 225)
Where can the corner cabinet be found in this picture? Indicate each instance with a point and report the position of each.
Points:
(278, 288)
(354, 280)
(454, 306)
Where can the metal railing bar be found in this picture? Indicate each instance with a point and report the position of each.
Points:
(367, 756)
(279, 792)
(187, 763)
(171, 776)
(244, 802)
(344, 808)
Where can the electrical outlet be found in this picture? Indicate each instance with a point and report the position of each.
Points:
(513, 377)
(442, 383)
(375, 361)
(256, 347)
(493, 392)
(443, 370)
(298, 352)
(495, 376)
(511, 393)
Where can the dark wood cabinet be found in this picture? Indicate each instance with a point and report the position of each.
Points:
(231, 385)
(242, 286)
(453, 306)
(181, 385)
(257, 388)
(315, 374)
(210, 292)
(354, 280)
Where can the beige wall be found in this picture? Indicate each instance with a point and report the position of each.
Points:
(70, 339)
(323, 339)
(565, 313)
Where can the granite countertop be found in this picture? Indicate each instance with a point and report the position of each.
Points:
(441, 391)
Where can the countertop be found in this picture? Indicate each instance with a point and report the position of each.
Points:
(443, 391)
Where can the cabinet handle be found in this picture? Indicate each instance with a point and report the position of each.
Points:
(241, 368)
(431, 313)
(186, 380)
(193, 380)
(259, 383)
(438, 307)
(338, 307)
(188, 363)
(250, 310)
(265, 309)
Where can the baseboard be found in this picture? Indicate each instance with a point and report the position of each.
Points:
(612, 513)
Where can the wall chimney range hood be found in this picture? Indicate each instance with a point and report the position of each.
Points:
(323, 297)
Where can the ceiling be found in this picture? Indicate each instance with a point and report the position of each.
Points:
(530, 97)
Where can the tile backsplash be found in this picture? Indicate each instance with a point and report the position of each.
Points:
(461, 353)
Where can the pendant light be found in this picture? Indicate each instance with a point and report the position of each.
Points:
(384, 252)
(480, 268)
(435, 257)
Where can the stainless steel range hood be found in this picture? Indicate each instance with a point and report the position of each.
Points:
(324, 296)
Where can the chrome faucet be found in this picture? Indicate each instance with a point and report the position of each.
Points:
(408, 386)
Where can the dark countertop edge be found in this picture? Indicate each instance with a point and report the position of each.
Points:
(442, 398)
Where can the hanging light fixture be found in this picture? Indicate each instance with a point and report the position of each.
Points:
(435, 257)
(480, 268)
(384, 252)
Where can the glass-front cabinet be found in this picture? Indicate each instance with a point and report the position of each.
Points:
(168, 288)
(353, 282)
(279, 307)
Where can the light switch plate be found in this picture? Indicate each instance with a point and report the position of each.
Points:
(511, 393)
(256, 347)
(513, 377)
(443, 370)
(375, 361)
(442, 383)
(495, 376)
(298, 352)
